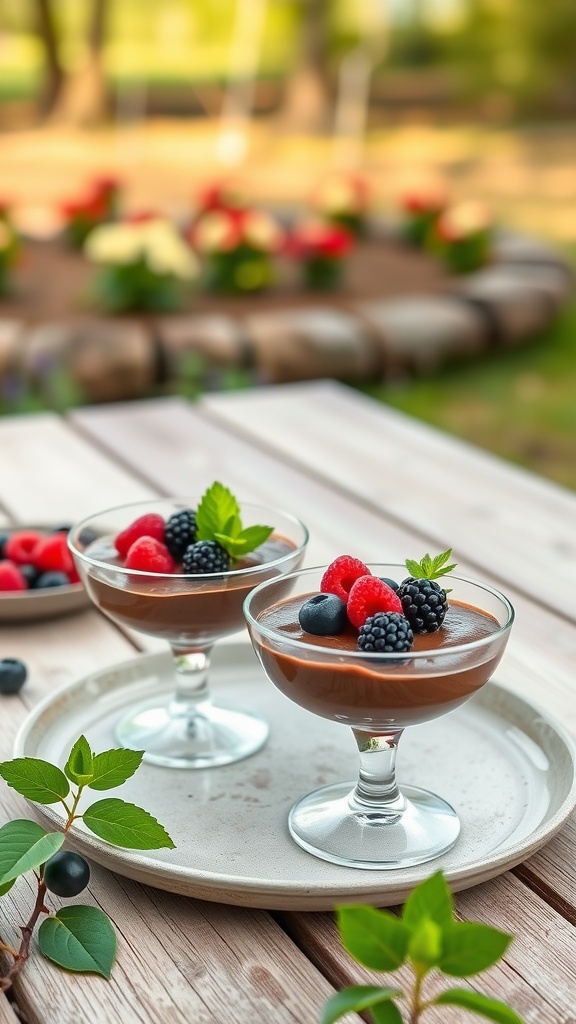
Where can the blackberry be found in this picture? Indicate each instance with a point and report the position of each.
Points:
(205, 556)
(424, 603)
(386, 632)
(180, 532)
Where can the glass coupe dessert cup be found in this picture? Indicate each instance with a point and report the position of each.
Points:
(190, 612)
(374, 823)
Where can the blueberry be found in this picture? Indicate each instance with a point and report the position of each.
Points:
(30, 574)
(66, 873)
(13, 675)
(391, 583)
(51, 579)
(323, 615)
(3, 538)
(65, 528)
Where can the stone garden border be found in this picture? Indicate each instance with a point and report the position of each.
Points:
(496, 308)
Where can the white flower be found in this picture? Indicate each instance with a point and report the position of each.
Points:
(261, 231)
(157, 242)
(115, 243)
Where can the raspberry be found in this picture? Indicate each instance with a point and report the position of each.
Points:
(150, 525)
(369, 595)
(11, 578)
(180, 532)
(51, 554)
(341, 574)
(387, 632)
(424, 604)
(205, 556)
(20, 545)
(149, 555)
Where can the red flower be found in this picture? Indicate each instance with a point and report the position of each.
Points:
(428, 199)
(317, 239)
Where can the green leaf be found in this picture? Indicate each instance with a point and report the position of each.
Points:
(79, 938)
(431, 899)
(469, 948)
(425, 946)
(127, 825)
(78, 767)
(216, 508)
(356, 998)
(430, 568)
(24, 846)
(492, 1009)
(112, 768)
(6, 887)
(232, 527)
(248, 539)
(35, 779)
(373, 937)
(386, 1013)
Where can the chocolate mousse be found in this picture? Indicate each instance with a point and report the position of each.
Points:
(376, 691)
(187, 611)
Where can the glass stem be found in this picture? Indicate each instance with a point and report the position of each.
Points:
(376, 790)
(191, 682)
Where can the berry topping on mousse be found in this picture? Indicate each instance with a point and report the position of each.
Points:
(341, 574)
(208, 539)
(387, 614)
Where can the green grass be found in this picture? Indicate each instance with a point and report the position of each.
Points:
(520, 404)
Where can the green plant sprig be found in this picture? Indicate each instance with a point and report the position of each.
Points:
(78, 938)
(218, 518)
(428, 938)
(430, 568)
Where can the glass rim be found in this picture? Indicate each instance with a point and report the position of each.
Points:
(379, 656)
(274, 510)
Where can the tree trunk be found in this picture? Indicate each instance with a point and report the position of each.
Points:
(84, 98)
(54, 73)
(308, 100)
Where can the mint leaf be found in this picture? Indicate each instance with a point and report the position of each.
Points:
(429, 900)
(469, 948)
(355, 999)
(79, 938)
(112, 768)
(35, 779)
(24, 846)
(6, 887)
(232, 527)
(126, 825)
(79, 764)
(492, 1009)
(217, 506)
(250, 538)
(430, 568)
(373, 937)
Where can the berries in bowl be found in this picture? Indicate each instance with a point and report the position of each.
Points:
(38, 579)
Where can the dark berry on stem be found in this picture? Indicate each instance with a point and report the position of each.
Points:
(424, 603)
(13, 674)
(205, 556)
(180, 532)
(323, 615)
(386, 632)
(66, 874)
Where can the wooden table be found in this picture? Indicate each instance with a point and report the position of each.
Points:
(367, 481)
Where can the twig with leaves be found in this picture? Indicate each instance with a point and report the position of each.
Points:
(79, 938)
(427, 938)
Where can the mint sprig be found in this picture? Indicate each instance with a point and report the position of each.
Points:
(218, 518)
(430, 568)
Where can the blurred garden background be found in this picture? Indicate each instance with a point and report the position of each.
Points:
(171, 95)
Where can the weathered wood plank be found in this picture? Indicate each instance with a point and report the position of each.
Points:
(503, 519)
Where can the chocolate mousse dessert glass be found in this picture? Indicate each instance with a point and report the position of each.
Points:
(191, 613)
(374, 823)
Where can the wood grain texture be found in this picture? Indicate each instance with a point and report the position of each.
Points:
(7, 1015)
(453, 494)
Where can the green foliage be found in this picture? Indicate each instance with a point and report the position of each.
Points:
(426, 937)
(430, 568)
(78, 938)
(218, 518)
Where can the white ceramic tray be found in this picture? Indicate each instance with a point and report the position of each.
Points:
(505, 765)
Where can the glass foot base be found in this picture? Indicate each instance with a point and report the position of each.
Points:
(212, 737)
(325, 824)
